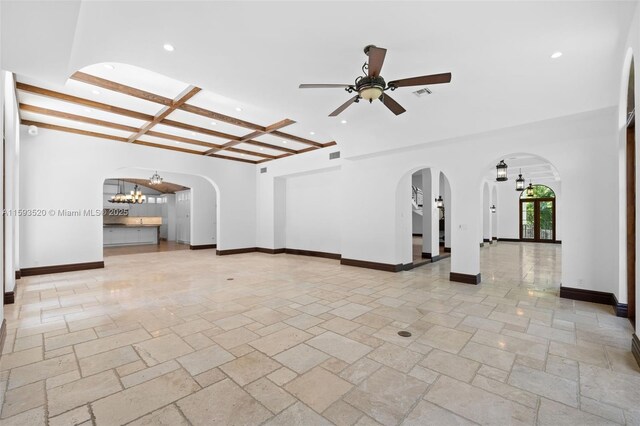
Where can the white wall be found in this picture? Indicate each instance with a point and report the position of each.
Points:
(11, 174)
(2, 102)
(62, 165)
(582, 148)
(312, 213)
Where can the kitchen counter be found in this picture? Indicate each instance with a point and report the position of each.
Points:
(125, 230)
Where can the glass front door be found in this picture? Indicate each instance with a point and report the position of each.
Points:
(537, 220)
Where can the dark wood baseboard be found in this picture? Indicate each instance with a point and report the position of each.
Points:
(494, 238)
(465, 278)
(9, 297)
(635, 347)
(621, 309)
(436, 258)
(372, 265)
(593, 296)
(236, 251)
(3, 335)
(56, 269)
(426, 255)
(18, 274)
(518, 240)
(486, 240)
(447, 249)
(481, 244)
(335, 256)
(441, 244)
(203, 246)
(270, 251)
(417, 235)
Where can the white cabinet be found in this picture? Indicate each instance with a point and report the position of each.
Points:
(129, 235)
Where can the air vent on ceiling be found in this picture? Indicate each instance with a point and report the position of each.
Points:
(334, 155)
(263, 170)
(422, 92)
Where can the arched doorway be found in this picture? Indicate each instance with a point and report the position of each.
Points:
(538, 214)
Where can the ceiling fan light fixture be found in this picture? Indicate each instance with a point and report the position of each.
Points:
(371, 93)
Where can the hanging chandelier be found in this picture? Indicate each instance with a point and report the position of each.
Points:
(155, 179)
(135, 197)
(501, 171)
(520, 182)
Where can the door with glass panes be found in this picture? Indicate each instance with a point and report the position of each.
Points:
(538, 214)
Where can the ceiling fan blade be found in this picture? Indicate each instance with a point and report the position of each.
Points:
(390, 103)
(344, 106)
(424, 80)
(376, 59)
(324, 86)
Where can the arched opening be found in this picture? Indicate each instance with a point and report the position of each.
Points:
(538, 214)
(180, 213)
(429, 208)
(155, 219)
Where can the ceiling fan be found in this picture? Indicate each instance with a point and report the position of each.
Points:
(372, 86)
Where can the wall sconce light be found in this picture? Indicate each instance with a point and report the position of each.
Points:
(439, 202)
(493, 208)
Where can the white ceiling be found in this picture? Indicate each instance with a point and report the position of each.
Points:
(254, 54)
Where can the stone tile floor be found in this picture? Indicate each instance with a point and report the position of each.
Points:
(187, 337)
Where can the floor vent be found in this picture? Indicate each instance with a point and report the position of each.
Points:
(263, 170)
(334, 155)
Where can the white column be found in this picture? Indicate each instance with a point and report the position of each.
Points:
(486, 214)
(279, 213)
(466, 201)
(494, 216)
(430, 213)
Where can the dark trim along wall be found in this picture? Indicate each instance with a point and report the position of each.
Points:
(18, 274)
(518, 240)
(203, 247)
(9, 297)
(604, 298)
(55, 269)
(635, 347)
(465, 278)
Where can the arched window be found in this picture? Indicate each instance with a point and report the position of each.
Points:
(538, 214)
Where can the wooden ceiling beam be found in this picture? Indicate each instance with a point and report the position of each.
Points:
(72, 130)
(181, 139)
(270, 146)
(297, 139)
(120, 139)
(74, 117)
(197, 129)
(121, 88)
(255, 154)
(84, 102)
(220, 117)
(269, 129)
(183, 97)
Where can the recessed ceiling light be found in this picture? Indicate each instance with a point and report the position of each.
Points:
(179, 143)
(242, 155)
(213, 123)
(87, 109)
(109, 67)
(238, 109)
(284, 141)
(95, 92)
(193, 133)
(556, 55)
(261, 149)
(312, 133)
(344, 121)
(169, 47)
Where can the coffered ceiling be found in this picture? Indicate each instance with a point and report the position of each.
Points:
(128, 104)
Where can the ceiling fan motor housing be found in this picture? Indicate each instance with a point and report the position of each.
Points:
(370, 88)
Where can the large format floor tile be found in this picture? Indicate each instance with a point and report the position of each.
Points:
(257, 339)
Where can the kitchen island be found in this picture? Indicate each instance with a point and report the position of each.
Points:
(125, 230)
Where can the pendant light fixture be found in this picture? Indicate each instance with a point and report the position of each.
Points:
(119, 197)
(530, 190)
(136, 196)
(492, 208)
(439, 202)
(155, 179)
(520, 182)
(501, 171)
